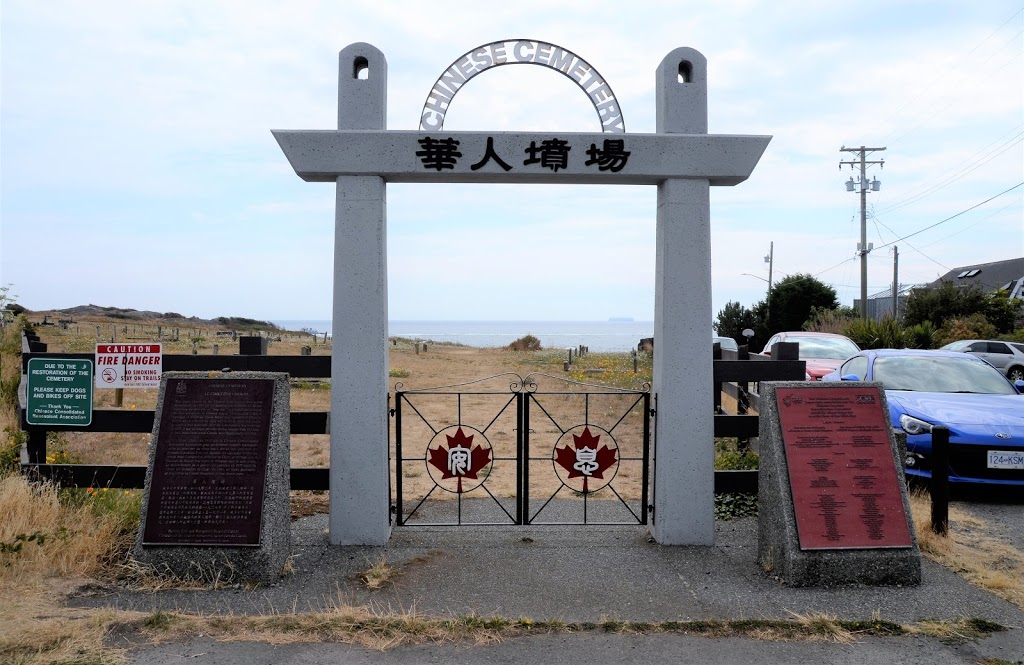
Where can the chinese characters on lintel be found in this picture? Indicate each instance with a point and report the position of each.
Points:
(441, 154)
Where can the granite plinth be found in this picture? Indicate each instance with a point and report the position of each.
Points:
(846, 560)
(216, 499)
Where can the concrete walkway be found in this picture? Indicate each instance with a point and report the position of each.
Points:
(577, 574)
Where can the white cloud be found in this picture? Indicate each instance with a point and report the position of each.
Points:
(151, 121)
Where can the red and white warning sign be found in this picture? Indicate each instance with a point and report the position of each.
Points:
(128, 365)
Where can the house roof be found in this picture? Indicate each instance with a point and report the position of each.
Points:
(986, 276)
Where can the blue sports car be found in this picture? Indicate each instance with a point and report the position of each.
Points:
(982, 409)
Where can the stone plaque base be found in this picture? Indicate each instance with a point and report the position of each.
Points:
(843, 480)
(216, 501)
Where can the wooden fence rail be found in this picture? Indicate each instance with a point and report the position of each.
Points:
(727, 371)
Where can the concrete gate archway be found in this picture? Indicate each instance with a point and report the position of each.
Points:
(681, 159)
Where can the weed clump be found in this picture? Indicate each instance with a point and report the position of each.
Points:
(525, 343)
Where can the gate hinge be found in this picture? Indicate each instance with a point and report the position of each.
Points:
(653, 412)
(391, 412)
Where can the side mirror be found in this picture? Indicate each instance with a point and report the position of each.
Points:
(849, 377)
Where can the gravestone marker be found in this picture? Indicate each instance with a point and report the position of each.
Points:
(833, 499)
(216, 501)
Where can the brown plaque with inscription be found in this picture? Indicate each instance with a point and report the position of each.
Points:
(210, 465)
(846, 491)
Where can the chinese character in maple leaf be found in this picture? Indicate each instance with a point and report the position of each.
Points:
(460, 458)
(586, 460)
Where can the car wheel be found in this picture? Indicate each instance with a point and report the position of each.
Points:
(1015, 373)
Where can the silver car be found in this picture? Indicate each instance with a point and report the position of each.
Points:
(1007, 357)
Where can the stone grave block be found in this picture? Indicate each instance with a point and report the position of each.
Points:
(832, 492)
(216, 499)
(252, 345)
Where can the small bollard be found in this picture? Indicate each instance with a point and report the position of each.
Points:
(565, 365)
(939, 486)
(216, 349)
(306, 351)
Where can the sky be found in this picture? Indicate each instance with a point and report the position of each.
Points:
(137, 167)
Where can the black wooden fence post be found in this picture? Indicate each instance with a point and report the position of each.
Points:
(36, 447)
(940, 480)
(716, 388)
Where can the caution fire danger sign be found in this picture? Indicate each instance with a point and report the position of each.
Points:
(128, 365)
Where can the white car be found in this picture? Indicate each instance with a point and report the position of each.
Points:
(727, 343)
(1007, 357)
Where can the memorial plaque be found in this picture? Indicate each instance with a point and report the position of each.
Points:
(210, 463)
(846, 491)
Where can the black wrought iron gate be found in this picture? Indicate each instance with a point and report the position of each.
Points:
(466, 455)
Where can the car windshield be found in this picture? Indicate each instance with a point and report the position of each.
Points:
(825, 347)
(940, 375)
(956, 346)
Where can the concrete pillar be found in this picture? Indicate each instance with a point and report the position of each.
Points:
(360, 496)
(684, 459)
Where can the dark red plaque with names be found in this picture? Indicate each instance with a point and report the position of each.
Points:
(210, 466)
(846, 492)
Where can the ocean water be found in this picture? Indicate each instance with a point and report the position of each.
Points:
(598, 335)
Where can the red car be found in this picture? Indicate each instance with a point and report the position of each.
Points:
(823, 352)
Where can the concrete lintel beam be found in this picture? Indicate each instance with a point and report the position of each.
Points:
(323, 155)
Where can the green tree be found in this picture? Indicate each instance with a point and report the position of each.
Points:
(734, 318)
(1002, 312)
(949, 301)
(794, 299)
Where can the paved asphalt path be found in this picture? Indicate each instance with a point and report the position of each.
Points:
(577, 574)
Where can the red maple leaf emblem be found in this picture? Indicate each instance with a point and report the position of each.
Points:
(460, 459)
(586, 460)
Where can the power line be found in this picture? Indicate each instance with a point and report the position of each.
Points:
(973, 166)
(945, 74)
(878, 221)
(952, 216)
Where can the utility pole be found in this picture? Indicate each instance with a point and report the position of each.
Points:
(769, 260)
(863, 248)
(895, 283)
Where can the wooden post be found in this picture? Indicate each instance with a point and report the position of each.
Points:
(36, 447)
(939, 485)
(118, 397)
(716, 390)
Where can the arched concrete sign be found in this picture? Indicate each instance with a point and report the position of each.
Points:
(522, 52)
(681, 159)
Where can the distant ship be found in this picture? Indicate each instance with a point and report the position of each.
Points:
(620, 319)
